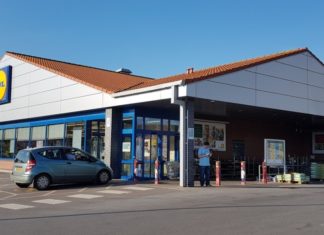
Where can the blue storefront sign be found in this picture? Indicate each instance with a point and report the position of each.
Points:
(5, 85)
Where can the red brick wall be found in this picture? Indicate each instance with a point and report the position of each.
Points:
(253, 133)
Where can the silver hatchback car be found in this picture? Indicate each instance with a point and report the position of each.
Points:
(57, 165)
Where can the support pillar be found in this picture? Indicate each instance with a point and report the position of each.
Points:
(113, 140)
(186, 145)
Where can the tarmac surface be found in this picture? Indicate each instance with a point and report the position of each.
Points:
(145, 208)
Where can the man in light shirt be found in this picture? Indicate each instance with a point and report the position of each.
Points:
(204, 164)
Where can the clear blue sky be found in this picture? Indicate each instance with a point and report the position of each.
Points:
(157, 38)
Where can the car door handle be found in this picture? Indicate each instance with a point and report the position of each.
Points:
(69, 163)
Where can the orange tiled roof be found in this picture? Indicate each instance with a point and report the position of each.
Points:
(219, 70)
(112, 82)
(104, 80)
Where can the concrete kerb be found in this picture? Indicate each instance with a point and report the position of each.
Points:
(225, 184)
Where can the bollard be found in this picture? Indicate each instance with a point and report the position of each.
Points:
(264, 173)
(157, 166)
(243, 173)
(135, 170)
(218, 174)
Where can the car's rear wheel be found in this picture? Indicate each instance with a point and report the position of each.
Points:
(42, 182)
(22, 185)
(103, 177)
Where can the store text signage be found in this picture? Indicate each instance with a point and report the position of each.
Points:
(5, 85)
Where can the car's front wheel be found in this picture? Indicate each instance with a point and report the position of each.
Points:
(42, 182)
(22, 185)
(103, 177)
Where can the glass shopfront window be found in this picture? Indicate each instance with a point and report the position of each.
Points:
(127, 147)
(165, 154)
(147, 147)
(139, 147)
(8, 144)
(38, 136)
(127, 123)
(152, 124)
(164, 147)
(139, 123)
(174, 125)
(97, 138)
(75, 135)
(55, 135)
(22, 138)
(172, 149)
(126, 170)
(165, 124)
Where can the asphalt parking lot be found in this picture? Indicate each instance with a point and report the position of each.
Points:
(15, 198)
(145, 208)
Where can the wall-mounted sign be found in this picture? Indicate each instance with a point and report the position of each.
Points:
(275, 152)
(213, 132)
(5, 85)
(191, 133)
(126, 147)
(318, 142)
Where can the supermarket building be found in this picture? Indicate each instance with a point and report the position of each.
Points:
(117, 116)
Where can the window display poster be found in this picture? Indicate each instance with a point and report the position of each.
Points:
(274, 152)
(77, 137)
(39, 143)
(318, 142)
(147, 147)
(126, 147)
(12, 146)
(213, 132)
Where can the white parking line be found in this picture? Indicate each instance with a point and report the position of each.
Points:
(46, 194)
(137, 188)
(110, 191)
(85, 196)
(14, 206)
(81, 190)
(9, 196)
(51, 201)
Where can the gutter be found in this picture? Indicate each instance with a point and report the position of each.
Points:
(149, 89)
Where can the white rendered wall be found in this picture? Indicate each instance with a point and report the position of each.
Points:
(37, 92)
(294, 83)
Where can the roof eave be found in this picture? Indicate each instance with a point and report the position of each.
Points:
(148, 89)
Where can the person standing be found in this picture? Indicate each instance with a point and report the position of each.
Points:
(204, 164)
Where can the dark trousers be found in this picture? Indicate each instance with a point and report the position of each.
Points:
(204, 175)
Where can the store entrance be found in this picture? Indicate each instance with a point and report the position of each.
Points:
(151, 146)
(151, 153)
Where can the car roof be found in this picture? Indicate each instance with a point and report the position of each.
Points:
(48, 147)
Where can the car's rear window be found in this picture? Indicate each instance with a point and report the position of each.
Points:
(23, 156)
(53, 154)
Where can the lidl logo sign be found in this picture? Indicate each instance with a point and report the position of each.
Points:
(5, 84)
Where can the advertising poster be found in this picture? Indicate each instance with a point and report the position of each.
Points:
(274, 152)
(147, 148)
(77, 137)
(318, 142)
(213, 132)
(126, 147)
